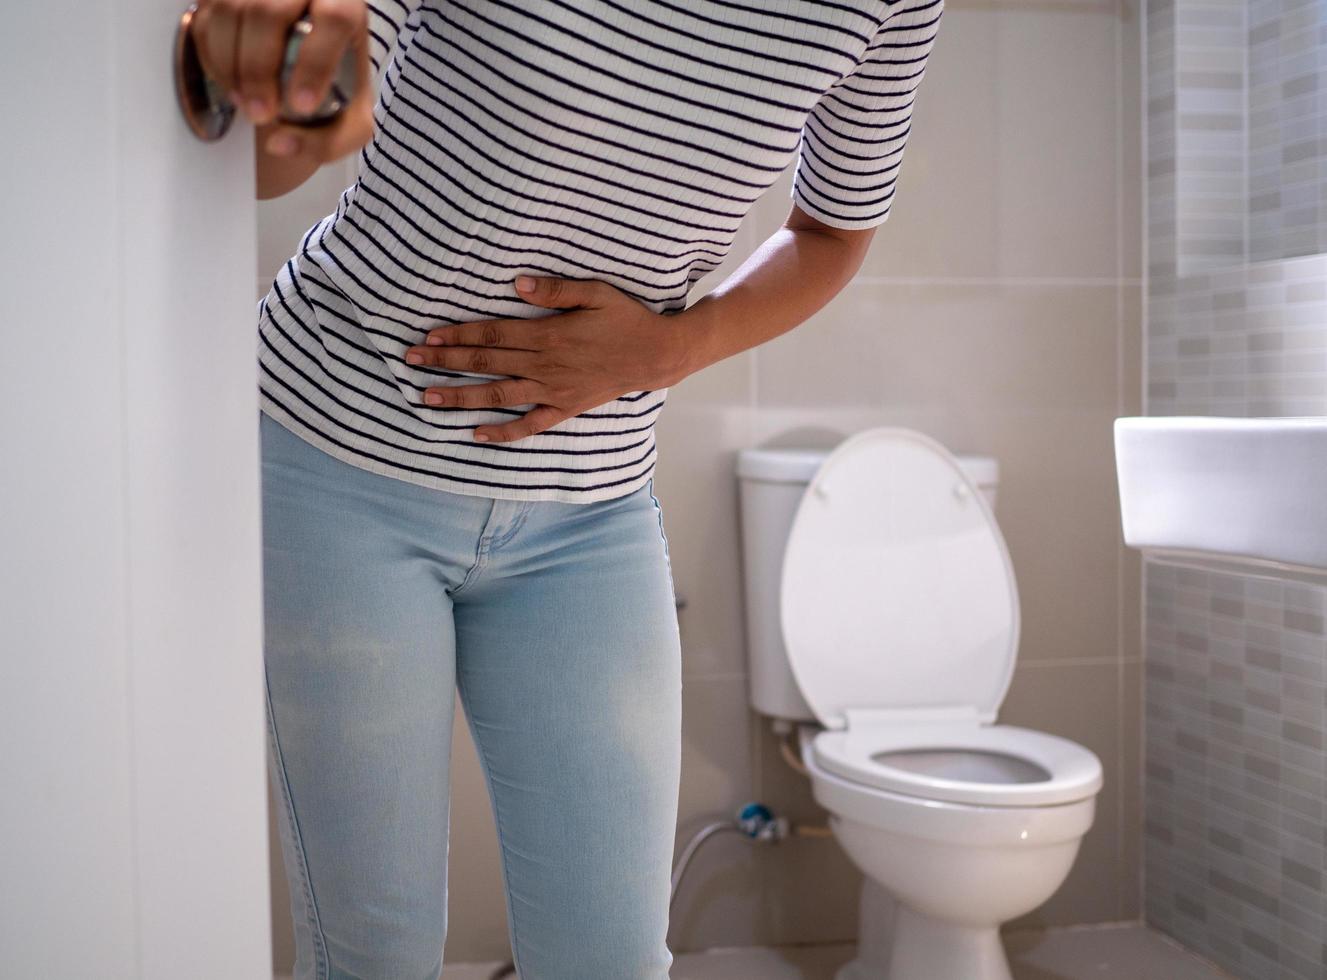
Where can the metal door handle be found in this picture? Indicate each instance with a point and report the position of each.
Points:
(208, 110)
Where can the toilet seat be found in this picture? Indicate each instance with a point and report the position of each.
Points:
(900, 617)
(966, 824)
(991, 765)
(897, 595)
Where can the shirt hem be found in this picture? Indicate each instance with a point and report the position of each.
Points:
(439, 482)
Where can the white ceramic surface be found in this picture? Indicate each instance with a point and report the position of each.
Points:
(1226, 491)
(897, 592)
(899, 611)
(772, 482)
(949, 874)
(996, 765)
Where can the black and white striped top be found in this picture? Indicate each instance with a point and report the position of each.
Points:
(620, 140)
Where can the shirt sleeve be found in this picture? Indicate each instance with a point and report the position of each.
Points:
(386, 18)
(852, 144)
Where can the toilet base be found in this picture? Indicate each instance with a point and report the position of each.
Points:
(899, 943)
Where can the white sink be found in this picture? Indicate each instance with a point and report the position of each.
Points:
(1246, 495)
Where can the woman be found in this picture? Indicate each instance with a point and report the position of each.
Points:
(460, 369)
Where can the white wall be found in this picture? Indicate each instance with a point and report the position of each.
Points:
(132, 763)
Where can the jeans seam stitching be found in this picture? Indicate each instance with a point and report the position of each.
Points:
(321, 960)
(517, 524)
(472, 573)
(482, 549)
(658, 510)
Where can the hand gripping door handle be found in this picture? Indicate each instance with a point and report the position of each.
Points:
(209, 111)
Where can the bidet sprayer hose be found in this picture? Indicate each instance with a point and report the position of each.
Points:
(693, 845)
(753, 821)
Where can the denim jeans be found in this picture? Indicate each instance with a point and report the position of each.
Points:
(556, 624)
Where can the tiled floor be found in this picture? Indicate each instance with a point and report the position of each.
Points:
(1124, 952)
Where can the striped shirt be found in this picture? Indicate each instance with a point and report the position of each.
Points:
(619, 140)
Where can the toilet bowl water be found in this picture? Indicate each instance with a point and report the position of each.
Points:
(963, 765)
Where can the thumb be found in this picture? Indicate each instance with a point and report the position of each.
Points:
(560, 293)
(325, 142)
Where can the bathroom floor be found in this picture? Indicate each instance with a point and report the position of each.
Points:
(1115, 952)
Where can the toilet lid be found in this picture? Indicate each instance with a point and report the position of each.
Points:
(897, 592)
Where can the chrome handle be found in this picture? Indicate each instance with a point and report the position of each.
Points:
(209, 111)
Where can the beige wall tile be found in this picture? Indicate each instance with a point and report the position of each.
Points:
(718, 754)
(1131, 589)
(1010, 167)
(771, 210)
(811, 890)
(720, 898)
(1130, 136)
(283, 927)
(718, 901)
(1025, 373)
(283, 221)
(802, 890)
(697, 492)
(758, 224)
(1079, 702)
(1130, 769)
(1130, 299)
(476, 899)
(946, 217)
(811, 885)
(971, 348)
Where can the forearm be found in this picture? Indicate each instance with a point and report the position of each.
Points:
(791, 276)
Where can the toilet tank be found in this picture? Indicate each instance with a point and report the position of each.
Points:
(771, 483)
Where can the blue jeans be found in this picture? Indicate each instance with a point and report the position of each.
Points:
(557, 625)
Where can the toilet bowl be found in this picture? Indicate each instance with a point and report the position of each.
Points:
(952, 872)
(956, 870)
(898, 612)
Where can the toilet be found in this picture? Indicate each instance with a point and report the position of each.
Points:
(882, 627)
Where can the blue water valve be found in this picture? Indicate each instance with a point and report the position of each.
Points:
(757, 822)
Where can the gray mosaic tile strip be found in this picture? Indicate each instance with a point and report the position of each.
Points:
(1235, 845)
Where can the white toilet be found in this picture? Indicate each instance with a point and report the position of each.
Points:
(881, 604)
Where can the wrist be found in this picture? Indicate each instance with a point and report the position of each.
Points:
(690, 333)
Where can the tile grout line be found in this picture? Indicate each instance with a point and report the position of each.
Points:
(1144, 309)
(1119, 408)
(1066, 281)
(1079, 662)
(1034, 663)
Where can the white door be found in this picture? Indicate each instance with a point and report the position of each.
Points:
(132, 758)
